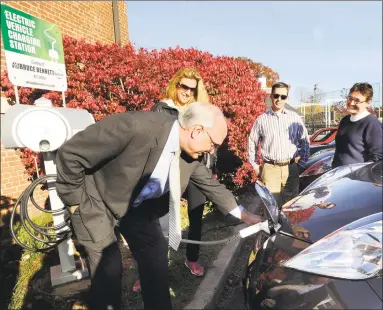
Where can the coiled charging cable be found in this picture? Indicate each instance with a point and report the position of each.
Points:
(46, 235)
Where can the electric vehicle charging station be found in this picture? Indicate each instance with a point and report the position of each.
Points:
(40, 63)
(43, 128)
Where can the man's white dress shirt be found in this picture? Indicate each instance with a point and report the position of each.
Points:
(158, 183)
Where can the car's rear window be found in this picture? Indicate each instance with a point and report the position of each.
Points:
(323, 136)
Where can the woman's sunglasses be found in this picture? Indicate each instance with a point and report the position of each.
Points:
(283, 97)
(186, 88)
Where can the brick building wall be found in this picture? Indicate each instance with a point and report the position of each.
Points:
(89, 20)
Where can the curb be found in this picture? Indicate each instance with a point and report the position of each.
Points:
(215, 278)
(210, 289)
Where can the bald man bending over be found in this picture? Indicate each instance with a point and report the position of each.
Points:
(118, 170)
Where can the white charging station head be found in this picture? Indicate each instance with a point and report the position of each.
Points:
(41, 127)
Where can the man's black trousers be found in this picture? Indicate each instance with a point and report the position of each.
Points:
(149, 247)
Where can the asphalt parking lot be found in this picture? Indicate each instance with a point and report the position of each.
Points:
(232, 295)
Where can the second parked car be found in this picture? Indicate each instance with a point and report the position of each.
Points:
(318, 164)
(323, 136)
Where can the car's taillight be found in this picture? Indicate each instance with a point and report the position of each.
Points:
(334, 174)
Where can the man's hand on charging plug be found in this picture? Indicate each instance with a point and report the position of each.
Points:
(249, 218)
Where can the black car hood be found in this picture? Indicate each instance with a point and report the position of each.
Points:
(321, 210)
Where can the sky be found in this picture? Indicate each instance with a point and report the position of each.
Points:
(333, 44)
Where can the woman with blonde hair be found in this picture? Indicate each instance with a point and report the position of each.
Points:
(186, 87)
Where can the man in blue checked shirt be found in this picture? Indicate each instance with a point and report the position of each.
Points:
(284, 141)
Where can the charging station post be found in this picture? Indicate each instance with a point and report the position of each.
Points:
(43, 128)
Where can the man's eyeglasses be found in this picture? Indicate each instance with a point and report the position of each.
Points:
(283, 97)
(213, 144)
(186, 88)
(355, 100)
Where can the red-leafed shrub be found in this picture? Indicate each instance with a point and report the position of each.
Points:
(107, 79)
(259, 69)
(30, 159)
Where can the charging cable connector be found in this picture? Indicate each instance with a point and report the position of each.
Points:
(253, 229)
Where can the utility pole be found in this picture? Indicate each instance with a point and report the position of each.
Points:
(380, 100)
(303, 103)
(315, 101)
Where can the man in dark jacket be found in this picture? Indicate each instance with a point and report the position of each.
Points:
(118, 169)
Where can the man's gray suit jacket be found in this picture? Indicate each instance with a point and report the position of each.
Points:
(104, 168)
